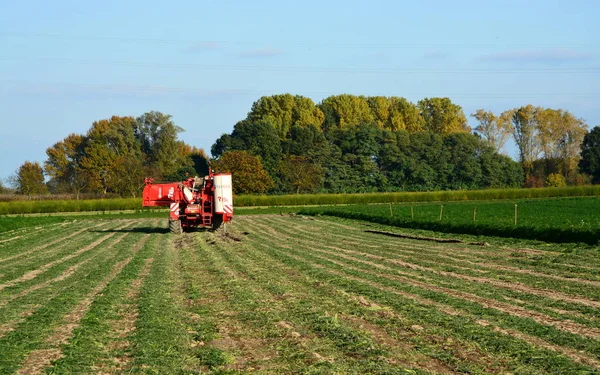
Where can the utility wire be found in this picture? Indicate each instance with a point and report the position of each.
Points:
(170, 89)
(308, 69)
(289, 44)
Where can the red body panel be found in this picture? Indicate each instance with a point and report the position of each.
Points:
(190, 201)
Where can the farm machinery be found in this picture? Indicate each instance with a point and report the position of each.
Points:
(195, 202)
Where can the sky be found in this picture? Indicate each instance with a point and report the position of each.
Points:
(66, 64)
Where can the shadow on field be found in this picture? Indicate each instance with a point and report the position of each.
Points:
(135, 230)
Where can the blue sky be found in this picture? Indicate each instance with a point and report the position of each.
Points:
(65, 64)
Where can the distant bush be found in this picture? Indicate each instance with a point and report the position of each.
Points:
(52, 206)
(556, 180)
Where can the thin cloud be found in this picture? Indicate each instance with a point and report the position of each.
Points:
(435, 55)
(202, 47)
(262, 52)
(537, 56)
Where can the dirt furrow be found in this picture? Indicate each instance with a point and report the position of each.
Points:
(66, 274)
(10, 326)
(11, 239)
(35, 273)
(37, 360)
(51, 243)
(123, 328)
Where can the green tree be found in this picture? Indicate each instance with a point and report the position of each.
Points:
(308, 142)
(157, 135)
(301, 175)
(113, 154)
(64, 165)
(494, 129)
(590, 155)
(30, 179)
(441, 116)
(248, 174)
(258, 138)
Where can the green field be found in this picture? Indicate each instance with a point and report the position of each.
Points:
(286, 294)
(552, 219)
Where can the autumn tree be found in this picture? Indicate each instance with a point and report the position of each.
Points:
(64, 165)
(344, 111)
(29, 179)
(441, 116)
(560, 136)
(494, 129)
(284, 111)
(404, 115)
(248, 174)
(526, 134)
(380, 107)
(590, 155)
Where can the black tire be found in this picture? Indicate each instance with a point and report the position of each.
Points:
(217, 221)
(175, 226)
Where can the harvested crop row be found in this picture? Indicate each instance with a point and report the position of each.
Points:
(37, 360)
(288, 290)
(439, 272)
(32, 333)
(282, 236)
(97, 331)
(489, 256)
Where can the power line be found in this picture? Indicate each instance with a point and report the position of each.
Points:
(308, 69)
(170, 89)
(289, 44)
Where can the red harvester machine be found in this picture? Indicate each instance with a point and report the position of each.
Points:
(195, 202)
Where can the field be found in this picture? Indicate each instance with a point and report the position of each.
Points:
(290, 294)
(551, 219)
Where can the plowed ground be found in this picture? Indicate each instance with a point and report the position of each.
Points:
(286, 294)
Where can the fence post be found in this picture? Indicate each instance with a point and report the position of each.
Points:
(474, 213)
(441, 211)
(412, 213)
(516, 213)
(391, 212)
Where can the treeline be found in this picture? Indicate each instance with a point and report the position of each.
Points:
(343, 144)
(348, 143)
(113, 158)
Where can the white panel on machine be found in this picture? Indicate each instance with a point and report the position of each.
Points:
(223, 193)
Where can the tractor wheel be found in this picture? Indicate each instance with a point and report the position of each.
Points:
(217, 221)
(175, 226)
